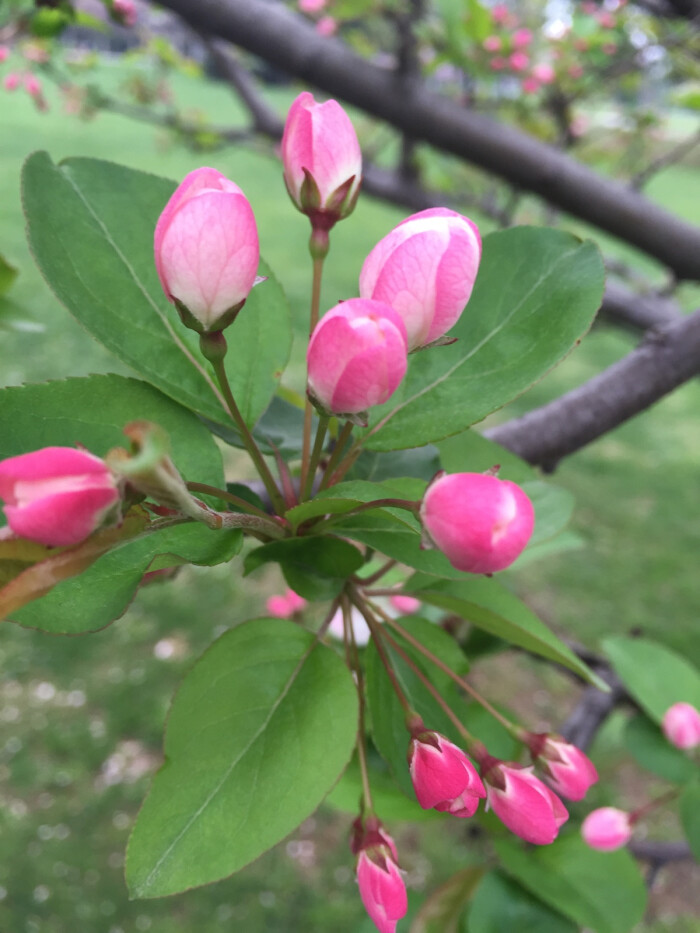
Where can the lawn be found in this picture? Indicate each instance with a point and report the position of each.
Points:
(81, 718)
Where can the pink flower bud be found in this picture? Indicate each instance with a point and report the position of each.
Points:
(607, 829)
(530, 85)
(360, 629)
(12, 81)
(425, 269)
(681, 725)
(311, 6)
(566, 768)
(322, 159)
(500, 14)
(382, 888)
(125, 11)
(519, 61)
(443, 777)
(544, 73)
(57, 496)
(492, 43)
(206, 249)
(357, 356)
(522, 38)
(498, 63)
(32, 85)
(522, 802)
(481, 523)
(4, 53)
(284, 607)
(406, 605)
(327, 26)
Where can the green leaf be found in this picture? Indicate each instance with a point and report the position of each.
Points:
(473, 453)
(488, 605)
(500, 904)
(104, 591)
(315, 567)
(652, 750)
(258, 733)
(390, 804)
(553, 506)
(603, 891)
(8, 273)
(90, 227)
(344, 497)
(536, 294)
(388, 727)
(420, 462)
(442, 911)
(654, 675)
(92, 411)
(690, 817)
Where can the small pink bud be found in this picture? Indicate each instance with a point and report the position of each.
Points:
(481, 523)
(206, 249)
(12, 81)
(544, 73)
(606, 829)
(327, 26)
(311, 6)
(4, 53)
(57, 496)
(522, 38)
(125, 11)
(322, 159)
(443, 777)
(32, 85)
(425, 269)
(522, 802)
(530, 85)
(382, 888)
(498, 63)
(681, 725)
(566, 768)
(357, 356)
(492, 43)
(606, 19)
(284, 607)
(519, 61)
(500, 14)
(406, 605)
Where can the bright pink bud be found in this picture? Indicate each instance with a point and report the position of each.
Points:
(492, 43)
(681, 725)
(530, 85)
(357, 356)
(523, 803)
(284, 607)
(607, 829)
(4, 52)
(443, 777)
(327, 26)
(12, 81)
(322, 159)
(566, 768)
(544, 73)
(481, 523)
(500, 13)
(522, 38)
(406, 605)
(125, 11)
(32, 85)
(425, 269)
(519, 61)
(382, 888)
(56, 496)
(206, 249)
(311, 6)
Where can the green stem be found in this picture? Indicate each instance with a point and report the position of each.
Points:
(374, 628)
(405, 504)
(345, 464)
(353, 662)
(343, 438)
(653, 804)
(214, 349)
(225, 496)
(378, 574)
(315, 457)
(317, 260)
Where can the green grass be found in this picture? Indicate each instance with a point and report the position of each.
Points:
(69, 705)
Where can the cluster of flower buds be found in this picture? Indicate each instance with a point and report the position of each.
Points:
(30, 83)
(285, 606)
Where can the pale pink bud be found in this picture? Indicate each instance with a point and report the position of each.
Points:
(566, 768)
(322, 158)
(311, 6)
(57, 496)
(357, 356)
(284, 607)
(500, 13)
(607, 829)
(443, 777)
(544, 73)
(32, 85)
(492, 43)
(360, 629)
(406, 605)
(522, 38)
(125, 11)
(606, 19)
(530, 85)
(523, 803)
(481, 523)
(327, 26)
(498, 63)
(425, 269)
(206, 249)
(519, 61)
(681, 725)
(382, 888)
(4, 52)
(12, 81)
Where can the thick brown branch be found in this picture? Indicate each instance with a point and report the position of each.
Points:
(278, 35)
(666, 359)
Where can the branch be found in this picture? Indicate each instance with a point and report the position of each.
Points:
(592, 710)
(674, 155)
(278, 35)
(666, 359)
(638, 311)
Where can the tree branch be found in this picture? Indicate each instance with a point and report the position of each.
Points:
(278, 35)
(667, 358)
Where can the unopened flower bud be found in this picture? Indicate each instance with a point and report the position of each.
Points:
(57, 496)
(681, 725)
(12, 81)
(125, 12)
(566, 768)
(481, 523)
(406, 605)
(206, 250)
(522, 802)
(425, 269)
(382, 888)
(284, 607)
(443, 777)
(607, 829)
(357, 357)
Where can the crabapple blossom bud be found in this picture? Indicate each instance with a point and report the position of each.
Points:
(425, 269)
(311, 6)
(543, 73)
(530, 85)
(607, 829)
(492, 43)
(32, 85)
(206, 250)
(519, 61)
(322, 160)
(57, 496)
(357, 357)
(125, 11)
(566, 768)
(4, 52)
(406, 605)
(12, 81)
(481, 523)
(360, 630)
(681, 725)
(382, 888)
(522, 38)
(522, 802)
(443, 777)
(284, 607)
(500, 14)
(498, 63)
(327, 26)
